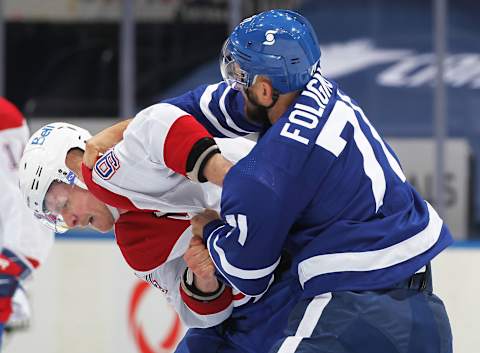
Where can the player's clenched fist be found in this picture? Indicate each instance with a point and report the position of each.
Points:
(202, 219)
(199, 261)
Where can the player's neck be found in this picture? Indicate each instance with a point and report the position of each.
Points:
(281, 106)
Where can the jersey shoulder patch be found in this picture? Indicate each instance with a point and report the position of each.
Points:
(107, 165)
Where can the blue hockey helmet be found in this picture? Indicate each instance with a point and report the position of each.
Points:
(279, 44)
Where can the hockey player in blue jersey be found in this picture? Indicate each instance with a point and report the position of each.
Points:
(323, 185)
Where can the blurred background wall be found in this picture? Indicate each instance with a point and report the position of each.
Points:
(102, 60)
(413, 68)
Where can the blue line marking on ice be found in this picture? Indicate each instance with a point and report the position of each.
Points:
(93, 235)
(466, 244)
(84, 235)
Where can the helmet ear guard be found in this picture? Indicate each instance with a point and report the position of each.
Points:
(279, 44)
(43, 162)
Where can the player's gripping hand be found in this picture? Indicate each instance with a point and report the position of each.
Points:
(199, 261)
(201, 220)
(103, 141)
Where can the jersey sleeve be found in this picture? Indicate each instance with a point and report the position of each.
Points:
(150, 162)
(153, 247)
(246, 245)
(167, 135)
(170, 134)
(192, 312)
(218, 108)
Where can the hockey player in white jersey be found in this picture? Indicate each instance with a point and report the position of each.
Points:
(24, 243)
(138, 188)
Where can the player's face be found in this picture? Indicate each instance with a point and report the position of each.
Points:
(78, 207)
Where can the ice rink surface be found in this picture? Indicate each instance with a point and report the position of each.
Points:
(85, 299)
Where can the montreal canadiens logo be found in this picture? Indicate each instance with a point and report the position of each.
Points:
(107, 165)
(172, 328)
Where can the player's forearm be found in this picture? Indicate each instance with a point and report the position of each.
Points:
(208, 285)
(224, 250)
(205, 162)
(216, 168)
(205, 288)
(112, 135)
(115, 132)
(206, 306)
(103, 141)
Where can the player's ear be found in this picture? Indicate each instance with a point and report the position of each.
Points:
(73, 161)
(265, 92)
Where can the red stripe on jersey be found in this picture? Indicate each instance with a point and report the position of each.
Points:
(105, 195)
(145, 240)
(5, 309)
(182, 135)
(211, 307)
(10, 116)
(34, 262)
(238, 296)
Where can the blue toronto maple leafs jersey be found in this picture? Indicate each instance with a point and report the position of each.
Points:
(322, 184)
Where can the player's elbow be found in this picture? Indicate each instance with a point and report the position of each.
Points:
(253, 288)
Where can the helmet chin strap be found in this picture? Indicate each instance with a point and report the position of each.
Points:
(80, 184)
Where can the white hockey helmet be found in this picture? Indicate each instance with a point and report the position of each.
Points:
(43, 162)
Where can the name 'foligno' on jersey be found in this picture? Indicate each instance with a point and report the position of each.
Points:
(364, 230)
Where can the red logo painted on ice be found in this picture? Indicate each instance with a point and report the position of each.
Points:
(168, 343)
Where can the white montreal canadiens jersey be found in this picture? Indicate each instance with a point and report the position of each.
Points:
(19, 230)
(143, 175)
(137, 167)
